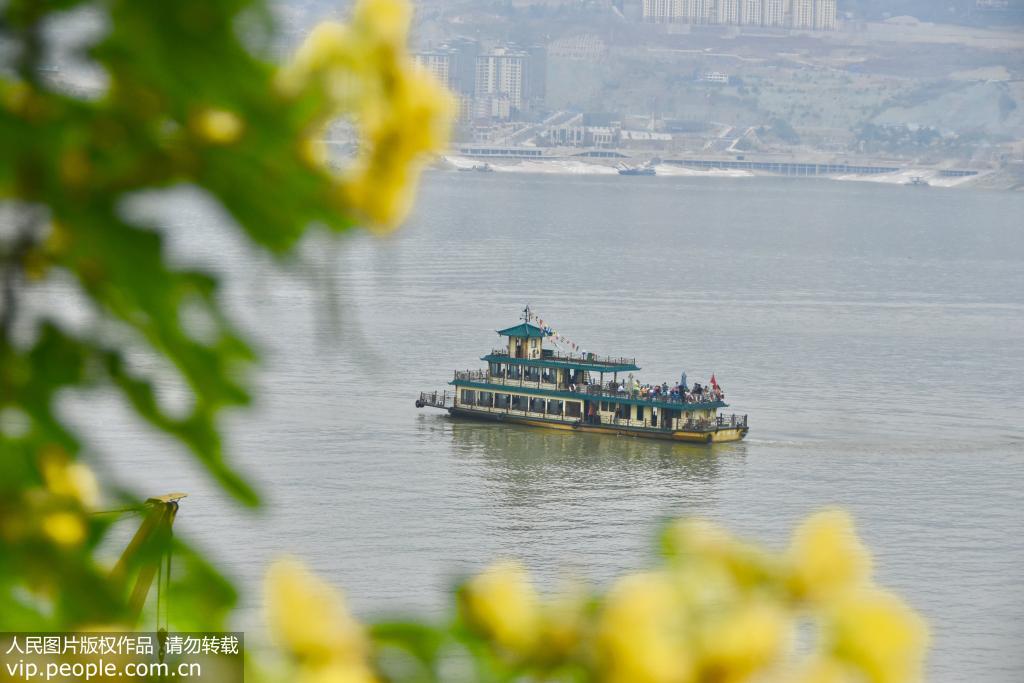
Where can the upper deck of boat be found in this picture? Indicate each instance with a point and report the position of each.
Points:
(485, 381)
(551, 359)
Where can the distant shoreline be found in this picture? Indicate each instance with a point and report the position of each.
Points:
(904, 176)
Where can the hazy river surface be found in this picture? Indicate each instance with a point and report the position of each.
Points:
(872, 333)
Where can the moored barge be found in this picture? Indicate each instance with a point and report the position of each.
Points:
(526, 383)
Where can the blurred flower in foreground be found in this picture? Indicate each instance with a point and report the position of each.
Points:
(64, 477)
(311, 623)
(502, 602)
(719, 611)
(402, 112)
(642, 632)
(827, 557)
(218, 126)
(878, 634)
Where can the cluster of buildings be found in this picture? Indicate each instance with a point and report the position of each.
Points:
(499, 84)
(577, 131)
(816, 15)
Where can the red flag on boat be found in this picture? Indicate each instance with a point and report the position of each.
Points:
(714, 382)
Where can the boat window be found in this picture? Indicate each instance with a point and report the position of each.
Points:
(572, 409)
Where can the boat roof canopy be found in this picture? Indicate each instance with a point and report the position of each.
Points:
(559, 362)
(523, 330)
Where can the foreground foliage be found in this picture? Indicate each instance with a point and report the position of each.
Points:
(187, 101)
(716, 609)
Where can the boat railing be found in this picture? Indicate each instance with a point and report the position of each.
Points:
(588, 358)
(690, 425)
(731, 421)
(435, 399)
(472, 375)
(510, 380)
(611, 394)
(588, 390)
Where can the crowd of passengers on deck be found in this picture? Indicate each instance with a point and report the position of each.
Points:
(679, 393)
(629, 388)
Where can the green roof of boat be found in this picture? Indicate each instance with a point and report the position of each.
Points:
(595, 365)
(523, 330)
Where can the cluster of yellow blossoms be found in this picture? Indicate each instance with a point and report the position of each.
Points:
(313, 626)
(717, 610)
(402, 112)
(56, 510)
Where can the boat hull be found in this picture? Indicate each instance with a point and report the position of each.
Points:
(722, 435)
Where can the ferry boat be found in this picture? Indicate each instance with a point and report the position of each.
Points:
(526, 383)
(637, 170)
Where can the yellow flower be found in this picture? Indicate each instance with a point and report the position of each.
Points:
(410, 121)
(335, 672)
(879, 634)
(401, 112)
(313, 151)
(64, 528)
(66, 478)
(826, 557)
(385, 20)
(743, 640)
(329, 46)
(698, 537)
(218, 126)
(564, 622)
(697, 546)
(824, 669)
(504, 604)
(309, 616)
(642, 636)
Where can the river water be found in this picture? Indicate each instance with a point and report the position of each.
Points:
(873, 334)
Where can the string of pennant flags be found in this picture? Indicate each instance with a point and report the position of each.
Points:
(560, 340)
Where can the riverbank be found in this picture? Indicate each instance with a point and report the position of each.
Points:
(931, 176)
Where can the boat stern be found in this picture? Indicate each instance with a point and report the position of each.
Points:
(443, 400)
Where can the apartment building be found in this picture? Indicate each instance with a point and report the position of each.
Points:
(818, 15)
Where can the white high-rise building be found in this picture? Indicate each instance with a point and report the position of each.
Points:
(499, 78)
(802, 13)
(818, 15)
(727, 12)
(825, 15)
(659, 11)
(688, 11)
(750, 12)
(773, 13)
